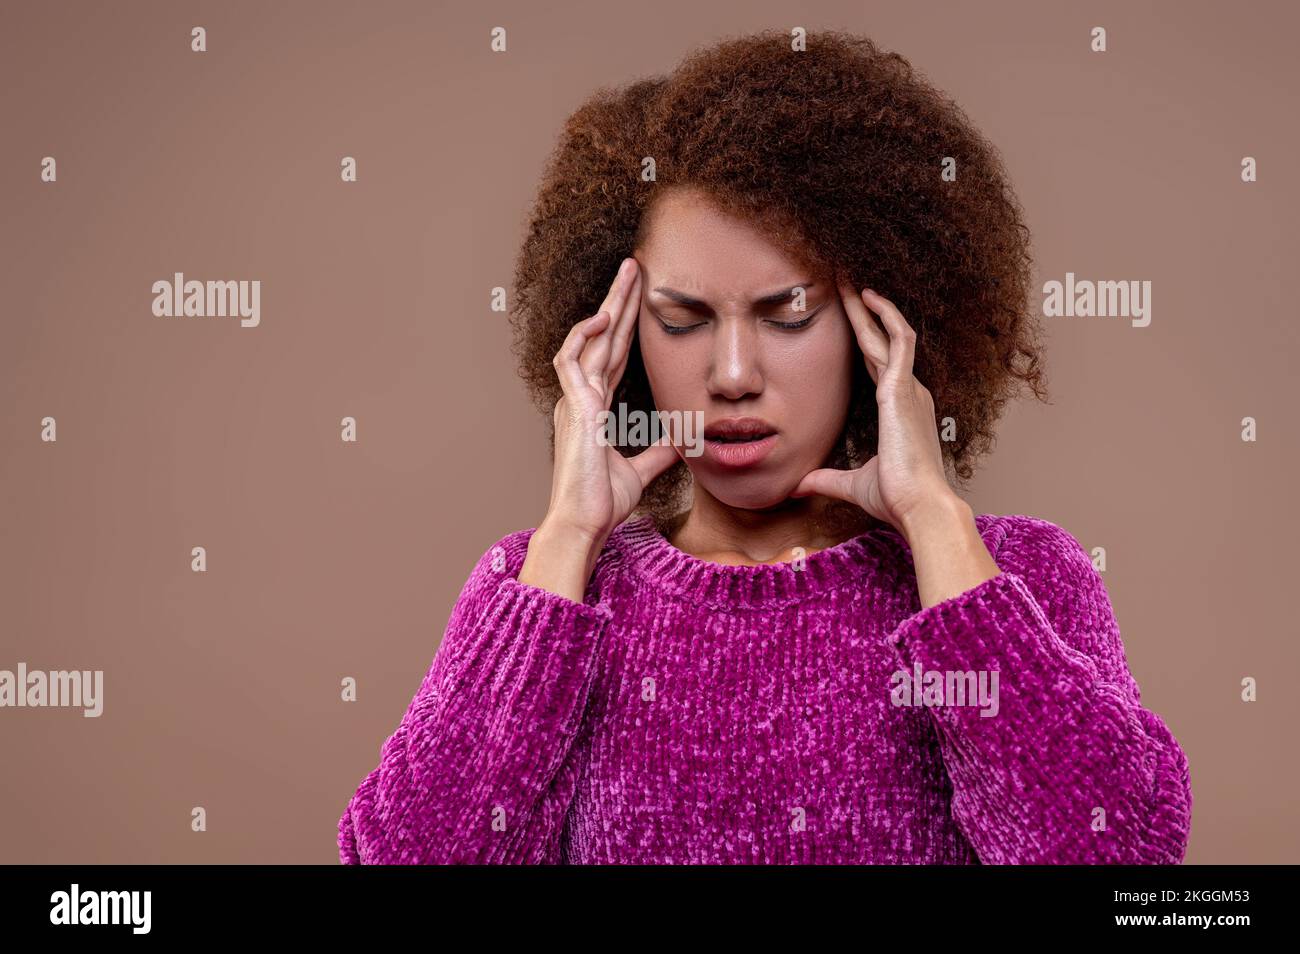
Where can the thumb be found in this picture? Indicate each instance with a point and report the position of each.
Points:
(826, 482)
(653, 461)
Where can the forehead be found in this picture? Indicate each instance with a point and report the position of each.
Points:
(693, 245)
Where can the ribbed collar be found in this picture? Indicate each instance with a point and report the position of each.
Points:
(720, 586)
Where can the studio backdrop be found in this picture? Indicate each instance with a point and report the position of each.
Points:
(245, 530)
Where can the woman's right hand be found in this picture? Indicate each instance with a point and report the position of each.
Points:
(594, 487)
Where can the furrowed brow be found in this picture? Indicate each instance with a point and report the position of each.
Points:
(785, 294)
(775, 298)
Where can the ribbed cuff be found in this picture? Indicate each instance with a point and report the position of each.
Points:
(531, 658)
(996, 625)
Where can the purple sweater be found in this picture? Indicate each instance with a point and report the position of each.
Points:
(689, 712)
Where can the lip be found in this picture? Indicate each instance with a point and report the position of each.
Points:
(738, 427)
(745, 454)
(739, 453)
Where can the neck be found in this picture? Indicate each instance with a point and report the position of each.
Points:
(714, 531)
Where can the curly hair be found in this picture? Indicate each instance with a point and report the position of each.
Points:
(835, 152)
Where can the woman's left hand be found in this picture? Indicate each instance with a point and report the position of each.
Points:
(906, 475)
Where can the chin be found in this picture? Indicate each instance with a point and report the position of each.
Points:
(748, 491)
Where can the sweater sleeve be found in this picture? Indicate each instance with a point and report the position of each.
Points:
(1068, 767)
(481, 768)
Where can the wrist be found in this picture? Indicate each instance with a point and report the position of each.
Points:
(938, 515)
(556, 533)
(560, 559)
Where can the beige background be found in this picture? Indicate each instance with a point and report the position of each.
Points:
(329, 559)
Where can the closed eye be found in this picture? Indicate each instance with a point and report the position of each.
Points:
(783, 325)
(796, 325)
(677, 329)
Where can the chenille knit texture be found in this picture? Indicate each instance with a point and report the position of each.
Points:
(688, 712)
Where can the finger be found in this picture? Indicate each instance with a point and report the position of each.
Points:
(826, 482)
(902, 338)
(566, 359)
(653, 461)
(618, 287)
(623, 335)
(871, 338)
(595, 359)
(626, 328)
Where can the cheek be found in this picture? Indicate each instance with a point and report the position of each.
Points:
(672, 366)
(817, 369)
(651, 355)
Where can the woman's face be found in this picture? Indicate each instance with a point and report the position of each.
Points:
(721, 332)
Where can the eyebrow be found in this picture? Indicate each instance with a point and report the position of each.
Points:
(775, 298)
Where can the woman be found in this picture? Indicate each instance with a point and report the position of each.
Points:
(800, 645)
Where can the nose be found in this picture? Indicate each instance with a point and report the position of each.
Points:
(734, 369)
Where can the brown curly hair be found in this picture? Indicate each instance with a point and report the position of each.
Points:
(836, 152)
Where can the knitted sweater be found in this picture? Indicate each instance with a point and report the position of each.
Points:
(689, 712)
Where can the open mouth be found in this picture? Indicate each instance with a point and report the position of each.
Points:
(738, 431)
(739, 442)
(725, 439)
